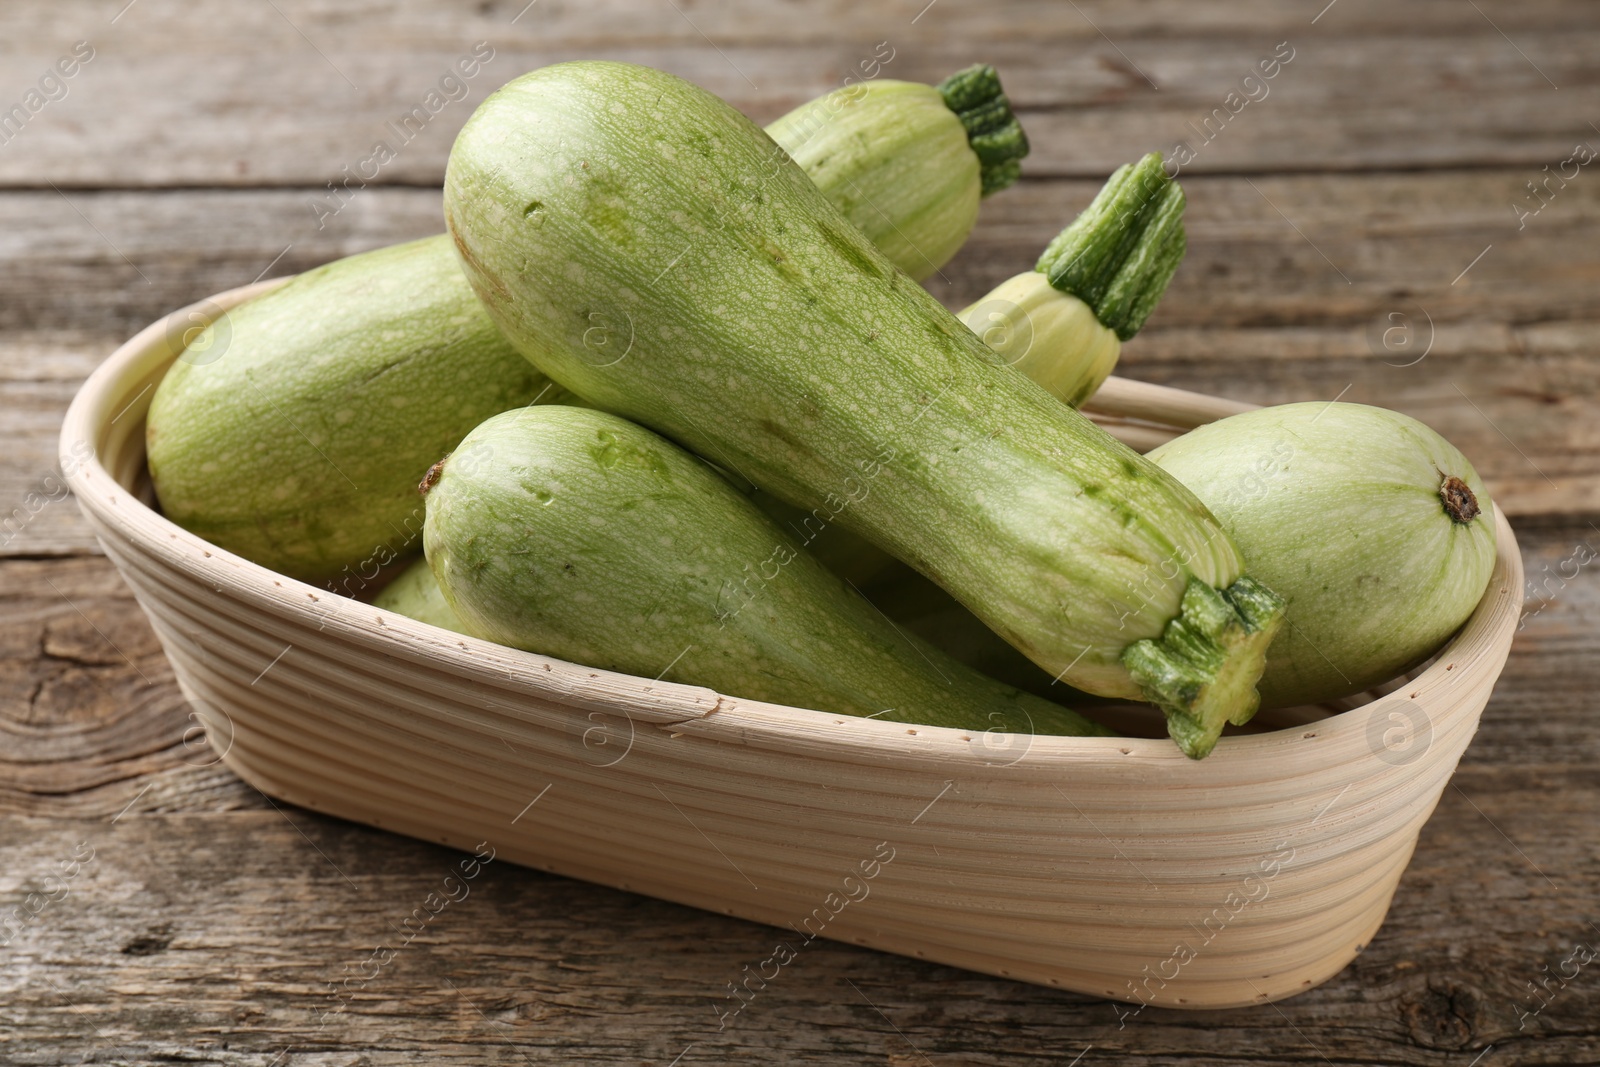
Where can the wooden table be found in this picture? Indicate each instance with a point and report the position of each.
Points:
(1355, 232)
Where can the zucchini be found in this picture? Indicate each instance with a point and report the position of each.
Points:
(1063, 323)
(416, 595)
(584, 536)
(294, 430)
(300, 446)
(764, 332)
(907, 163)
(1048, 333)
(919, 607)
(1375, 529)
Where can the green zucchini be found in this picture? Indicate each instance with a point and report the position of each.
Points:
(1048, 333)
(907, 163)
(293, 431)
(746, 318)
(1063, 323)
(584, 536)
(299, 441)
(1375, 529)
(416, 595)
(919, 607)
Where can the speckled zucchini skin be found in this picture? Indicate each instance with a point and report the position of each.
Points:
(1337, 507)
(895, 159)
(574, 533)
(708, 290)
(300, 446)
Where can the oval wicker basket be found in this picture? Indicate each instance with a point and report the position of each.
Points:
(1114, 867)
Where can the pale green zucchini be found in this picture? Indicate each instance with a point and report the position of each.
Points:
(299, 441)
(906, 162)
(745, 317)
(416, 595)
(1377, 532)
(920, 607)
(294, 431)
(1046, 332)
(1063, 323)
(584, 536)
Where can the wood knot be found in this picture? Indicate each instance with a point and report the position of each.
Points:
(1442, 1015)
(157, 940)
(1459, 502)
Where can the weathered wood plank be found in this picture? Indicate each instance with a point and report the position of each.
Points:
(110, 262)
(217, 93)
(39, 373)
(219, 936)
(90, 714)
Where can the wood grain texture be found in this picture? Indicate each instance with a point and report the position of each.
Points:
(1096, 82)
(207, 927)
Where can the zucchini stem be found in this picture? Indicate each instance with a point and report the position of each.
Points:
(1202, 671)
(1120, 253)
(993, 131)
(1459, 503)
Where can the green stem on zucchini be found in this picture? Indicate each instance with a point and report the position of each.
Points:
(1063, 323)
(1119, 255)
(993, 131)
(1202, 670)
